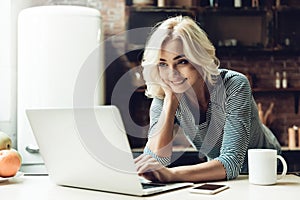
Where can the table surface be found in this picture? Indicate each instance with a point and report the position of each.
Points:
(41, 188)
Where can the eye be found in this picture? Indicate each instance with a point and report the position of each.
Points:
(183, 61)
(162, 64)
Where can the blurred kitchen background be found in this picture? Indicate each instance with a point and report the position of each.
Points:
(259, 38)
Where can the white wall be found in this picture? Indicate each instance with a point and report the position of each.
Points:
(5, 62)
(9, 10)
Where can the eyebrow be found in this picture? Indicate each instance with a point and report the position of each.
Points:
(176, 58)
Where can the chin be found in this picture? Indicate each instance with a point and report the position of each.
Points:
(180, 90)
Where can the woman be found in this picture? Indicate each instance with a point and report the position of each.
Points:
(214, 107)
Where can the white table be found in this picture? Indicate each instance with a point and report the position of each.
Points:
(41, 188)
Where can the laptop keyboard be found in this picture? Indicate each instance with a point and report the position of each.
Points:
(152, 185)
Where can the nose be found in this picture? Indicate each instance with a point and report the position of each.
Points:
(173, 72)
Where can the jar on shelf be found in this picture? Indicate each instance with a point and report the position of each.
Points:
(277, 80)
(143, 2)
(284, 80)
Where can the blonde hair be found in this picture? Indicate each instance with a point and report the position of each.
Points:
(197, 49)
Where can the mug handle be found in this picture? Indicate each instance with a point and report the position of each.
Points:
(284, 166)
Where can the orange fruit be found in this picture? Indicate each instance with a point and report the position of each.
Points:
(10, 162)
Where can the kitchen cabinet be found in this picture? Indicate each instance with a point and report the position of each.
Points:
(150, 16)
(230, 28)
(271, 27)
(287, 27)
(273, 31)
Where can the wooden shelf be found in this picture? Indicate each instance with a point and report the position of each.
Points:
(284, 148)
(294, 91)
(281, 90)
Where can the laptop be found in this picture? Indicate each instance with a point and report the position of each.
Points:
(88, 148)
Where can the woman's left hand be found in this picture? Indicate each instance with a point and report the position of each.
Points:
(152, 170)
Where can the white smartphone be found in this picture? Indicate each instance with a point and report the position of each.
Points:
(208, 188)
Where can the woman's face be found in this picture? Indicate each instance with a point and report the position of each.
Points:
(174, 68)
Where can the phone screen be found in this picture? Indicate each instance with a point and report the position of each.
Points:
(209, 187)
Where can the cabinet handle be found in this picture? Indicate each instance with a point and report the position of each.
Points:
(32, 149)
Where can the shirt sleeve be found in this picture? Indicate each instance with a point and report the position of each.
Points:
(237, 125)
(155, 112)
(165, 161)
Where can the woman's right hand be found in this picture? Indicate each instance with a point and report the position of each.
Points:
(171, 99)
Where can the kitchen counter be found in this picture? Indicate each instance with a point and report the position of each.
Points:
(40, 188)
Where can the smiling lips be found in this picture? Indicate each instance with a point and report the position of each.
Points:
(178, 82)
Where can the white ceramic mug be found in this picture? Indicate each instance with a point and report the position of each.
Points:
(262, 166)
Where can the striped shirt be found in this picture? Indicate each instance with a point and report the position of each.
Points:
(231, 126)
